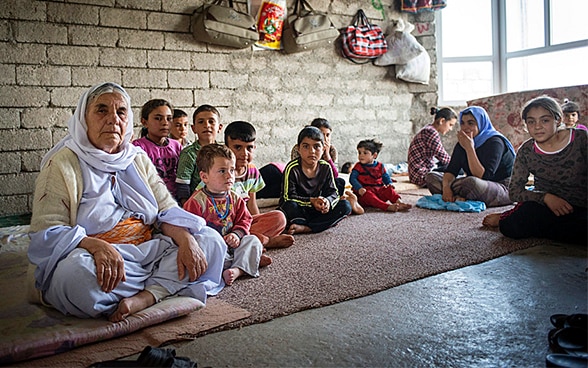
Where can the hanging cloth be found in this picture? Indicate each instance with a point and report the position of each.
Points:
(417, 6)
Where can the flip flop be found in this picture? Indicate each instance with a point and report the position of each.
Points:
(579, 320)
(570, 340)
(565, 361)
(150, 357)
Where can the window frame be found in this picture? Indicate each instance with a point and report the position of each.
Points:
(500, 56)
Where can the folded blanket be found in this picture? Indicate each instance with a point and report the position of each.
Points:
(435, 202)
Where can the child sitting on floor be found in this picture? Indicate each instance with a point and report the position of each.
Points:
(371, 182)
(268, 227)
(571, 111)
(310, 199)
(179, 128)
(226, 212)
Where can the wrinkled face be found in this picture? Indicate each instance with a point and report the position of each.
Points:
(158, 123)
(243, 151)
(365, 156)
(221, 176)
(541, 124)
(469, 125)
(310, 151)
(107, 119)
(179, 127)
(447, 125)
(570, 118)
(206, 127)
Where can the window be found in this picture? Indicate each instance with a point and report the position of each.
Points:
(487, 47)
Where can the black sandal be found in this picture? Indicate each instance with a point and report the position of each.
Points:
(150, 357)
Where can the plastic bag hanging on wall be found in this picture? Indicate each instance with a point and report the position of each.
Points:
(270, 23)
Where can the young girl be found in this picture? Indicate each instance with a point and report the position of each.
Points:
(486, 157)
(371, 182)
(426, 150)
(571, 115)
(556, 207)
(179, 128)
(156, 117)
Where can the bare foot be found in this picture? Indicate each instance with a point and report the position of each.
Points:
(356, 208)
(298, 229)
(399, 207)
(265, 261)
(280, 241)
(491, 220)
(231, 274)
(133, 304)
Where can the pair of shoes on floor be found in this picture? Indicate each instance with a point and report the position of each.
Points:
(568, 341)
(150, 357)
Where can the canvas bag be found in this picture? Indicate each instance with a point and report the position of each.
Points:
(362, 40)
(307, 29)
(222, 25)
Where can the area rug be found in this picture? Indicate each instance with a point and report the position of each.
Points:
(365, 254)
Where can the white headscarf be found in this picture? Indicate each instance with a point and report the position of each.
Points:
(77, 137)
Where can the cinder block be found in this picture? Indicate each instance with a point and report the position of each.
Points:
(180, 6)
(45, 117)
(40, 32)
(31, 160)
(227, 80)
(169, 59)
(145, 78)
(175, 96)
(16, 96)
(25, 139)
(209, 61)
(7, 74)
(66, 96)
(136, 39)
(93, 36)
(183, 42)
(123, 18)
(23, 10)
(154, 5)
(14, 205)
(72, 13)
(10, 162)
(22, 183)
(23, 53)
(168, 22)
(73, 55)
(9, 118)
(83, 76)
(43, 75)
(187, 79)
(126, 58)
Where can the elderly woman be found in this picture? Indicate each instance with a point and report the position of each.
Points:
(485, 155)
(107, 238)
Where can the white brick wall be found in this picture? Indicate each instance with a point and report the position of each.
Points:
(52, 51)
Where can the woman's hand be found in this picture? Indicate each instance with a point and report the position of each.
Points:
(557, 205)
(448, 195)
(110, 265)
(232, 240)
(190, 256)
(465, 140)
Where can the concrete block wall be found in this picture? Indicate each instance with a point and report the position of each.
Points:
(52, 51)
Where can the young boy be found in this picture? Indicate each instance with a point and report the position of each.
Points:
(226, 212)
(268, 226)
(179, 128)
(371, 182)
(206, 126)
(310, 199)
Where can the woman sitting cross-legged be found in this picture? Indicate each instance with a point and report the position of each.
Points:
(107, 237)
(486, 157)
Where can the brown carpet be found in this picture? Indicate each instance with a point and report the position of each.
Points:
(365, 254)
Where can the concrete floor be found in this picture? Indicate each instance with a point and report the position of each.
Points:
(495, 314)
